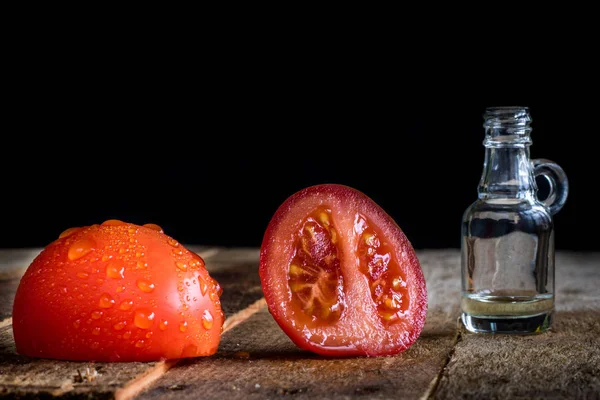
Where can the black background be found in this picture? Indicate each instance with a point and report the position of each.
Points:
(220, 186)
(210, 149)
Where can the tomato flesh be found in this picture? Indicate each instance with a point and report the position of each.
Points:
(378, 263)
(339, 275)
(315, 277)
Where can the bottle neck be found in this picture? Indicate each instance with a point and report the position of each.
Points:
(507, 173)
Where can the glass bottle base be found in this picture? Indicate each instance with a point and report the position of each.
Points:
(520, 325)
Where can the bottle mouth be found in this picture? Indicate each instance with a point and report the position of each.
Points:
(507, 125)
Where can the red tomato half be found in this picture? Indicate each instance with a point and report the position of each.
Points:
(339, 275)
(117, 292)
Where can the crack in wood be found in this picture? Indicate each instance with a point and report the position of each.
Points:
(435, 382)
(139, 384)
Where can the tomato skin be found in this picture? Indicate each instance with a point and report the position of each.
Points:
(360, 328)
(116, 292)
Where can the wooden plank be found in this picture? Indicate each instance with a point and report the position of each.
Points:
(562, 363)
(13, 263)
(141, 382)
(237, 270)
(257, 360)
(8, 288)
(23, 376)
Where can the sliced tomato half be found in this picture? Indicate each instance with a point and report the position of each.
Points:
(339, 275)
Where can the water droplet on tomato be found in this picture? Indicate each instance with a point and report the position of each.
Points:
(207, 320)
(106, 301)
(140, 343)
(96, 331)
(141, 265)
(126, 305)
(76, 323)
(144, 318)
(173, 242)
(120, 289)
(163, 325)
(145, 286)
(122, 250)
(183, 326)
(149, 335)
(181, 266)
(94, 345)
(80, 248)
(82, 275)
(203, 286)
(178, 251)
(115, 270)
(132, 230)
(218, 288)
(139, 254)
(68, 232)
(106, 257)
(154, 227)
(127, 335)
(119, 325)
(97, 314)
(113, 222)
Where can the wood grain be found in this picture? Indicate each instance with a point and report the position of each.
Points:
(257, 360)
(237, 270)
(8, 288)
(141, 382)
(13, 263)
(562, 363)
(24, 376)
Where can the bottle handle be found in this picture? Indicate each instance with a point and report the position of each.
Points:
(557, 179)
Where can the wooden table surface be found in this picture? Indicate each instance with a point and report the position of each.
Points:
(256, 360)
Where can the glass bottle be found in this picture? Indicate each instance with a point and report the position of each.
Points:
(508, 233)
